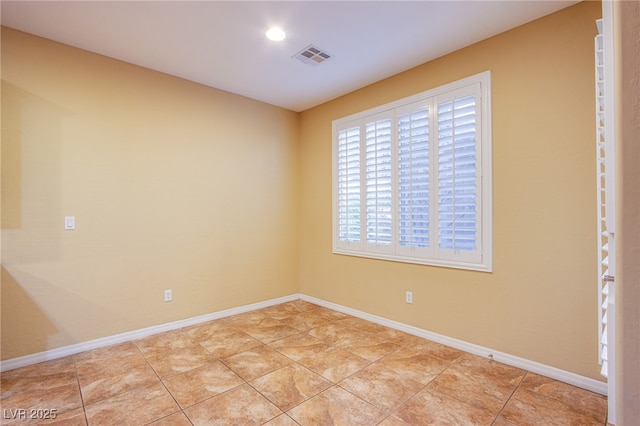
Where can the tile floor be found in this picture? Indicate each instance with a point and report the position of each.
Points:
(290, 364)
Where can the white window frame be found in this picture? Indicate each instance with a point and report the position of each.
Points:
(479, 259)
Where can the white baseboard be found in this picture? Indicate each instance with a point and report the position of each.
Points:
(49, 355)
(535, 367)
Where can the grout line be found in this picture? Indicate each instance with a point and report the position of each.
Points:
(84, 409)
(510, 396)
(395, 410)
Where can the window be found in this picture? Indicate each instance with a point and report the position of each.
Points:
(412, 179)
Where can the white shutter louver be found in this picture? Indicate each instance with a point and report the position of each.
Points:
(378, 143)
(349, 184)
(457, 174)
(413, 175)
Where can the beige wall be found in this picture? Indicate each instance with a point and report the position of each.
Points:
(174, 186)
(540, 301)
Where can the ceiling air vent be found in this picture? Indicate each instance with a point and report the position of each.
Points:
(312, 55)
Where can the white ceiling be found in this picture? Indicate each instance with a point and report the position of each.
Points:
(222, 43)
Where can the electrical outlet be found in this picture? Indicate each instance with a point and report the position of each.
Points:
(408, 297)
(168, 295)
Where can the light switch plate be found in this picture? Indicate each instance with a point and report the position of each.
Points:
(69, 222)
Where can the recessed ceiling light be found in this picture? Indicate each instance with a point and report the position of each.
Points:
(275, 34)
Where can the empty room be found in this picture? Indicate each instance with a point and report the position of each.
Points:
(318, 212)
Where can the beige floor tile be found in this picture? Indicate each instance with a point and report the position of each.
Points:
(229, 342)
(299, 346)
(256, 362)
(104, 378)
(180, 360)
(242, 406)
(414, 364)
(201, 383)
(393, 421)
(176, 419)
(137, 407)
(427, 408)
(491, 369)
(334, 331)
(336, 406)
(75, 417)
(433, 349)
(334, 364)
(581, 399)
(500, 421)
(394, 336)
(278, 312)
(388, 334)
(247, 319)
(270, 333)
(120, 350)
(354, 323)
(527, 408)
(382, 387)
(255, 320)
(207, 330)
(290, 385)
(330, 314)
(41, 370)
(50, 417)
(303, 305)
(281, 420)
(162, 343)
(32, 386)
(368, 346)
(479, 382)
(304, 321)
(61, 398)
(372, 327)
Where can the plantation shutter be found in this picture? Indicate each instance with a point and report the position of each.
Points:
(458, 175)
(414, 158)
(348, 177)
(407, 179)
(378, 181)
(606, 209)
